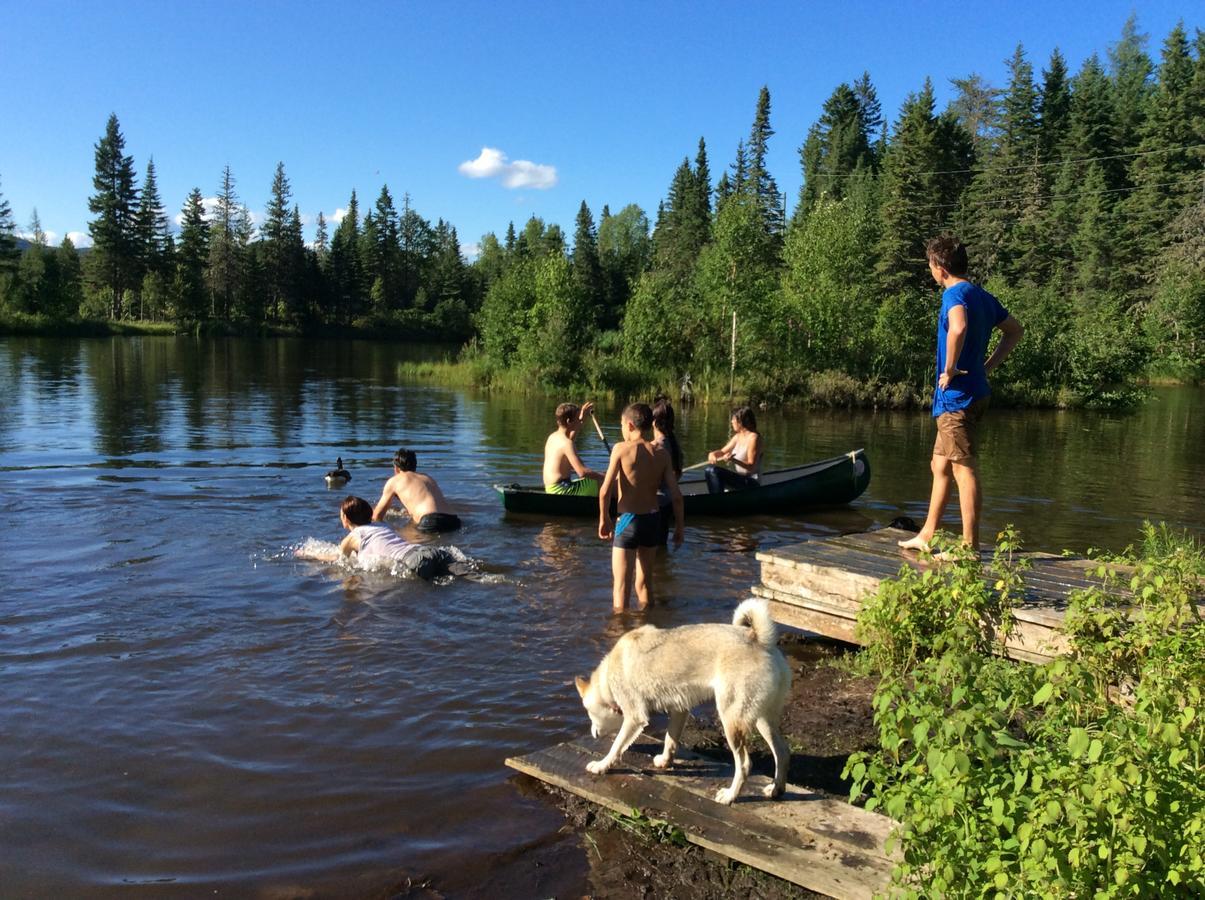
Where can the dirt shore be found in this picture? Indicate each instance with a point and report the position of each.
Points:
(828, 716)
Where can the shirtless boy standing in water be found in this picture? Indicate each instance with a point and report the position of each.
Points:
(638, 468)
(564, 471)
(418, 494)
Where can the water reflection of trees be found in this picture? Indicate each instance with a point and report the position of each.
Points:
(234, 393)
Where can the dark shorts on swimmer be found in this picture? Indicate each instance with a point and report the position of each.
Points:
(957, 432)
(634, 530)
(437, 521)
(429, 562)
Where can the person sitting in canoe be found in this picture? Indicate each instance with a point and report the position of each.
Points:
(743, 451)
(418, 494)
(564, 471)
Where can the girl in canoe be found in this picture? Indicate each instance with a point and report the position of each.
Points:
(743, 451)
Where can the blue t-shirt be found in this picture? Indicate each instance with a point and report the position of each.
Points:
(984, 313)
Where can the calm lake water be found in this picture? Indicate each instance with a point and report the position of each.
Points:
(189, 709)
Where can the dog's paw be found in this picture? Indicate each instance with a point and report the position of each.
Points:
(597, 767)
(771, 791)
(725, 796)
(662, 761)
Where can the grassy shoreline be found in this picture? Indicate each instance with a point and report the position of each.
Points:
(604, 377)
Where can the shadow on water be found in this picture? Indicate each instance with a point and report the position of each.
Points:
(176, 681)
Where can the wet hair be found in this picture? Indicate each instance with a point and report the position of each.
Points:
(663, 421)
(744, 415)
(405, 460)
(639, 416)
(948, 252)
(357, 510)
(567, 414)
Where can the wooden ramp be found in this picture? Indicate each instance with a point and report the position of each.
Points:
(819, 586)
(818, 842)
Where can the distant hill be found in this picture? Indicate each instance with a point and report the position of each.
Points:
(24, 244)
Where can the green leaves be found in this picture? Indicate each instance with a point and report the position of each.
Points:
(1044, 780)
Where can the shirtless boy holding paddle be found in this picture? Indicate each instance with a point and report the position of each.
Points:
(637, 470)
(564, 471)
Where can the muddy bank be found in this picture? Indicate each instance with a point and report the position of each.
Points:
(596, 854)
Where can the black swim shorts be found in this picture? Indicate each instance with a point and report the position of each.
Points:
(637, 530)
(437, 521)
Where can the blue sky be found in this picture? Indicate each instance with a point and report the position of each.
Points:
(574, 101)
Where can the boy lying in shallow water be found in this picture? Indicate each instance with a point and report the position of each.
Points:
(372, 540)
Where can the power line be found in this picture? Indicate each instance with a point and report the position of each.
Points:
(1028, 166)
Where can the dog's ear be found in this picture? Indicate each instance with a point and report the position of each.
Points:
(583, 685)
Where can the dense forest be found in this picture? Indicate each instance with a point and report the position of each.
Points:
(1081, 197)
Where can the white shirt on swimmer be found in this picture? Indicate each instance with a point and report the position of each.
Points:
(378, 540)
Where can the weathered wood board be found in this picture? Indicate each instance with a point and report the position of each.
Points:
(819, 586)
(818, 842)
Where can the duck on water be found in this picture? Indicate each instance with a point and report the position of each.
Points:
(338, 475)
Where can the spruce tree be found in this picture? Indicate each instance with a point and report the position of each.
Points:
(31, 273)
(417, 243)
(1166, 171)
(225, 257)
(153, 236)
(191, 259)
(347, 290)
(1007, 188)
(249, 296)
(836, 146)
(385, 252)
(761, 182)
(275, 236)
(1054, 108)
(1130, 67)
(587, 271)
(9, 255)
(298, 305)
(114, 257)
(321, 239)
(71, 286)
(923, 178)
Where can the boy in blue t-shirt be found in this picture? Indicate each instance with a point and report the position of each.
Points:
(968, 316)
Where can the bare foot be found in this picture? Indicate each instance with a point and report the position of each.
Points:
(914, 543)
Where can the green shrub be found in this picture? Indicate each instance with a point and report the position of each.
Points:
(1077, 778)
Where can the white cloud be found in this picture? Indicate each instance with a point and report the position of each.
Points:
(50, 237)
(522, 173)
(81, 239)
(470, 251)
(339, 215)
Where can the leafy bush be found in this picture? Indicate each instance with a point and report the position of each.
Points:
(1076, 778)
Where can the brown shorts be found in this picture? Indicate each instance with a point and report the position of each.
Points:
(956, 439)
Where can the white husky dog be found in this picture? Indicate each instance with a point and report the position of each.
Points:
(672, 670)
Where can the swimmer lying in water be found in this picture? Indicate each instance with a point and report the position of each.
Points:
(372, 540)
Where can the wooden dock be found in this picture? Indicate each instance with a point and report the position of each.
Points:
(819, 586)
(818, 842)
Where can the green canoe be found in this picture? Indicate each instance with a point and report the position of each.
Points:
(829, 482)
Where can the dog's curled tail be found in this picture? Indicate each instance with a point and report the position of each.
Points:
(754, 613)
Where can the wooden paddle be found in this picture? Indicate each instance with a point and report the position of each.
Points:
(598, 428)
(696, 466)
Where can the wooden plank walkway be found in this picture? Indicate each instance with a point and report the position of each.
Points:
(818, 842)
(819, 586)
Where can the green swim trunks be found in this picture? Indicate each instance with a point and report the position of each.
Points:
(575, 487)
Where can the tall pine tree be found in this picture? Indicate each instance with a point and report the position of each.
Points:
(191, 260)
(114, 259)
